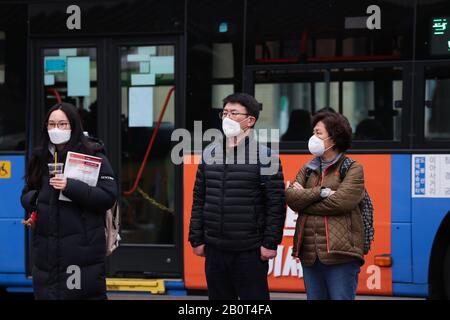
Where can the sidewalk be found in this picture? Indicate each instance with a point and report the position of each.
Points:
(273, 296)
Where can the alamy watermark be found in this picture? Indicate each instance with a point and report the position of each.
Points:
(74, 280)
(73, 22)
(256, 151)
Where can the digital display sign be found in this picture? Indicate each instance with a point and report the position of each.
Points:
(440, 36)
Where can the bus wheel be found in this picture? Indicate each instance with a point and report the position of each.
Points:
(447, 272)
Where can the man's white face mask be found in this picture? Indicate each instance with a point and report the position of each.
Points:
(59, 136)
(231, 128)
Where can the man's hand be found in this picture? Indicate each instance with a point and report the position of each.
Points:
(267, 254)
(199, 251)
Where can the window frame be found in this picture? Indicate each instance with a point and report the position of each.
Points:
(405, 141)
(419, 108)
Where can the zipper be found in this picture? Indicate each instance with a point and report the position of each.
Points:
(320, 182)
(299, 237)
(326, 234)
(325, 217)
(222, 198)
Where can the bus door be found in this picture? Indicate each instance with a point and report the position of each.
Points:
(125, 92)
(146, 92)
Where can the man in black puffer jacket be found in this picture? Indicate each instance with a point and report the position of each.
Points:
(239, 208)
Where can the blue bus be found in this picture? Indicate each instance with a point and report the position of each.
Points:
(137, 70)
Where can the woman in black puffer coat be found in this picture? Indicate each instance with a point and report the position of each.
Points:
(69, 237)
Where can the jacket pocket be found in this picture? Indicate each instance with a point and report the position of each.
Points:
(298, 236)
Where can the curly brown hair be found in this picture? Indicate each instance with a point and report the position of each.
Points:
(338, 128)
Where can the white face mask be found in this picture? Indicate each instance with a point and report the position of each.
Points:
(58, 136)
(317, 146)
(231, 128)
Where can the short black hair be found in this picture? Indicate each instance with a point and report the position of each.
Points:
(250, 103)
(338, 128)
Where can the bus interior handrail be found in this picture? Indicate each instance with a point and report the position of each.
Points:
(150, 145)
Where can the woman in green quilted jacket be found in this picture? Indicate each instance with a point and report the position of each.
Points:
(329, 235)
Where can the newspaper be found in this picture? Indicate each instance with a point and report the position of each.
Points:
(81, 167)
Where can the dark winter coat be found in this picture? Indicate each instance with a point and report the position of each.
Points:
(235, 207)
(70, 235)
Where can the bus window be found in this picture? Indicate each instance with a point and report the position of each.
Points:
(367, 97)
(223, 61)
(287, 31)
(219, 92)
(70, 75)
(2, 58)
(147, 77)
(368, 105)
(12, 89)
(223, 73)
(437, 103)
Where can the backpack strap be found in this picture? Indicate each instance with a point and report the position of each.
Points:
(345, 166)
(308, 172)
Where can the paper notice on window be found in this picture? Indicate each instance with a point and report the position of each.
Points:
(81, 167)
(78, 76)
(140, 106)
(162, 65)
(431, 176)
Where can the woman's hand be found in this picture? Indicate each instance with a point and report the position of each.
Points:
(297, 186)
(59, 183)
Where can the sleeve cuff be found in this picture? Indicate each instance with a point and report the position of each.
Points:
(196, 244)
(269, 245)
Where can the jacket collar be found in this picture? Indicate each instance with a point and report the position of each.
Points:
(315, 163)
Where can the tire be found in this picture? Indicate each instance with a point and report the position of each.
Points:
(446, 273)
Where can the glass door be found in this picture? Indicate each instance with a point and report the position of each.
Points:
(147, 99)
(125, 94)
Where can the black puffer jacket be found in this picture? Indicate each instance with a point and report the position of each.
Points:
(70, 234)
(235, 207)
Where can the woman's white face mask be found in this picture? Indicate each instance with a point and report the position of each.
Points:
(59, 136)
(317, 146)
(231, 128)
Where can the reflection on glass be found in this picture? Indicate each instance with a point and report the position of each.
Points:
(147, 76)
(223, 61)
(12, 89)
(219, 92)
(2, 59)
(437, 103)
(287, 31)
(70, 75)
(367, 97)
